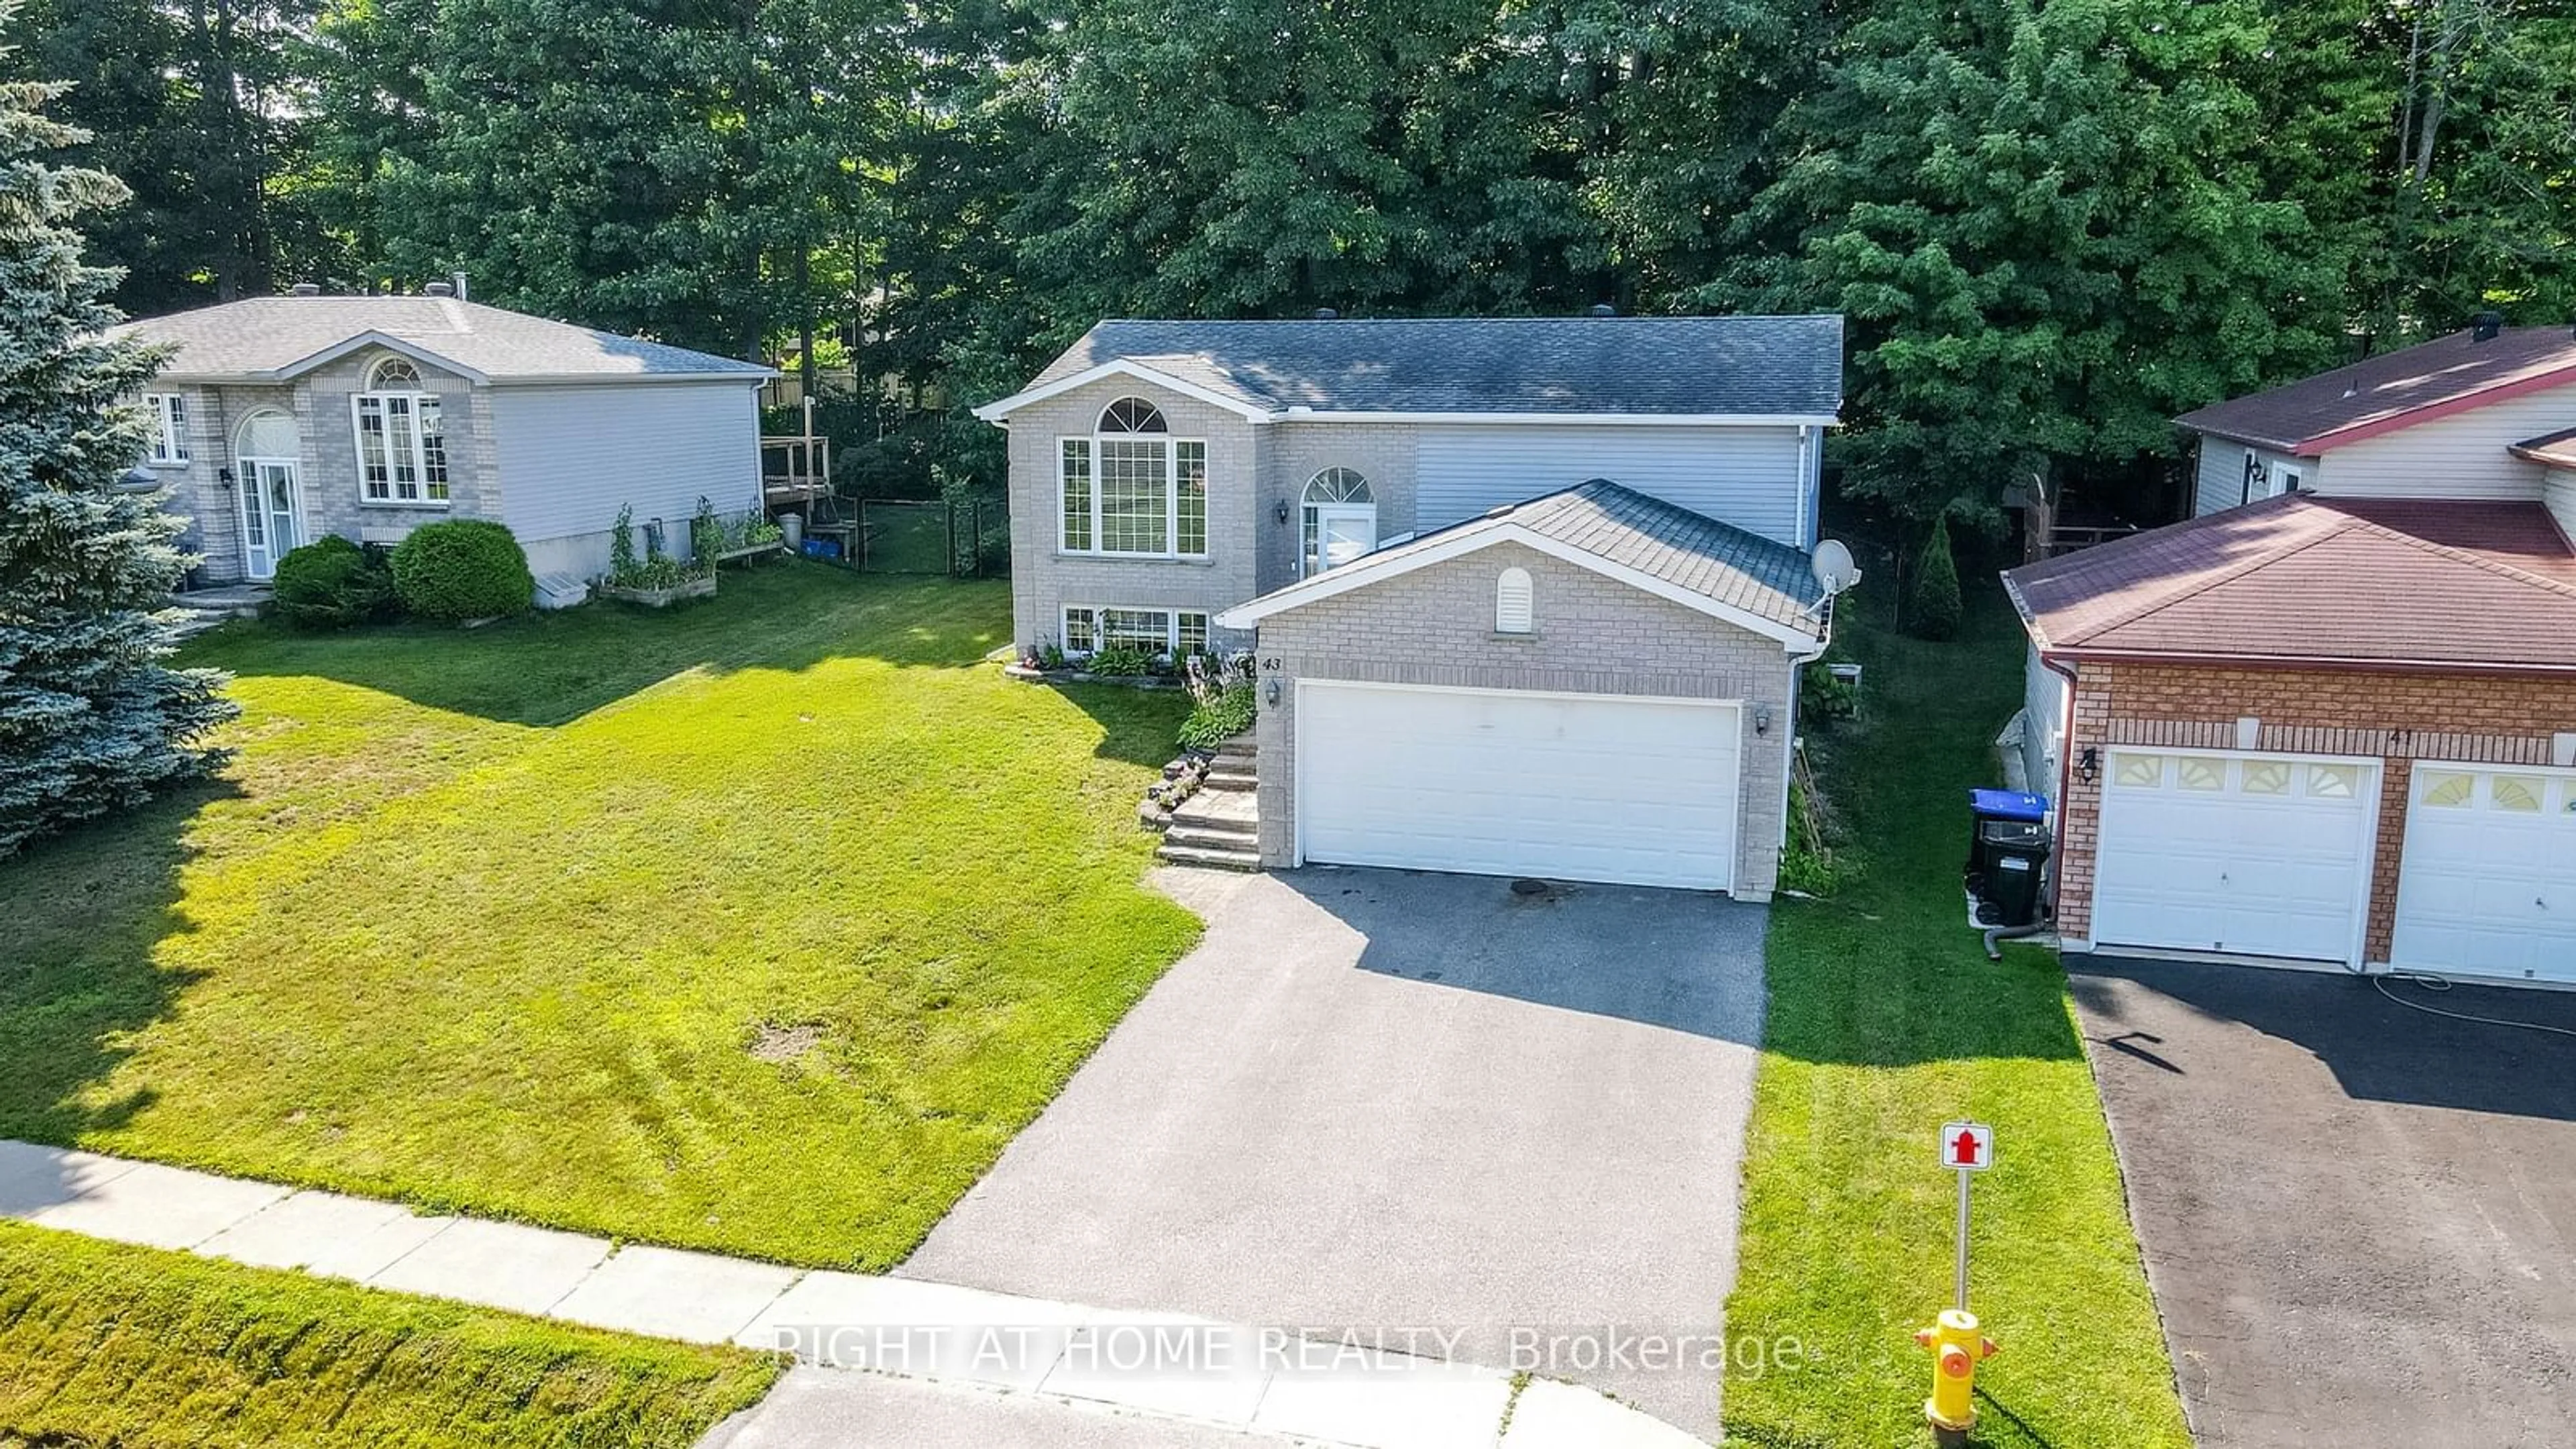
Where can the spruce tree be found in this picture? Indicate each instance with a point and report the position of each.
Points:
(90, 718)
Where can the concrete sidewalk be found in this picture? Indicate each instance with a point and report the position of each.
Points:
(978, 1362)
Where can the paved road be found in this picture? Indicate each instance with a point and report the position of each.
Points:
(2359, 1219)
(1384, 1098)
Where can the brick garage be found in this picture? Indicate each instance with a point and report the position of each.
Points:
(1420, 619)
(2394, 717)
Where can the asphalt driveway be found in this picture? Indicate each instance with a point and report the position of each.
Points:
(1390, 1099)
(2359, 1218)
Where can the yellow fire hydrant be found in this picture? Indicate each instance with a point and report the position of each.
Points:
(1957, 1348)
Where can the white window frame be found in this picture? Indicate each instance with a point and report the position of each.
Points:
(1100, 630)
(169, 429)
(406, 442)
(1172, 444)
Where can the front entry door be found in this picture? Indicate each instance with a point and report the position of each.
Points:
(272, 515)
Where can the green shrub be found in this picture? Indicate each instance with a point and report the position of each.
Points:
(332, 583)
(1822, 698)
(1220, 717)
(464, 568)
(1121, 661)
(1936, 610)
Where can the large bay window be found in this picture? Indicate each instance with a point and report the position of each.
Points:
(1172, 632)
(1132, 489)
(169, 427)
(402, 439)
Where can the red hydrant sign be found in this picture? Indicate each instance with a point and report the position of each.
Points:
(1967, 1146)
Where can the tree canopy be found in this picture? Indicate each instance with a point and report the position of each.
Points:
(2052, 226)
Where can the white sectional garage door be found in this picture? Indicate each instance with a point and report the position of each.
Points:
(1498, 782)
(2259, 855)
(2487, 886)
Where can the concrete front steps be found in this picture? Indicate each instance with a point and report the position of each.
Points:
(203, 609)
(1219, 827)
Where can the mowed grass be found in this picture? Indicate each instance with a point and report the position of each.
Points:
(1886, 1020)
(102, 1344)
(493, 920)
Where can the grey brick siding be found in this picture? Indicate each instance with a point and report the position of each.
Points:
(327, 471)
(1044, 580)
(1594, 635)
(1293, 453)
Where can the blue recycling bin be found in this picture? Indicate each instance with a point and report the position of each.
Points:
(2008, 845)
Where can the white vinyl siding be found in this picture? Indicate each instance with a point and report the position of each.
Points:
(1747, 476)
(569, 456)
(2220, 483)
(2460, 456)
(2043, 728)
(2559, 492)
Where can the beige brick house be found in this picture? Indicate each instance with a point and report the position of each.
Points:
(281, 419)
(2334, 725)
(1526, 596)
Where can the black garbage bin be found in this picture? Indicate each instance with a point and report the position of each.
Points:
(2008, 844)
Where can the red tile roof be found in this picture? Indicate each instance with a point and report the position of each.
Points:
(2472, 585)
(2394, 390)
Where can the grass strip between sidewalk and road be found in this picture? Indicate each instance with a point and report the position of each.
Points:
(1886, 1020)
(104, 1344)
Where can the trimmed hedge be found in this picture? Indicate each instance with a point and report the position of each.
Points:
(332, 583)
(464, 568)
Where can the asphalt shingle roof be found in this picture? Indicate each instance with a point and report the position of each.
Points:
(258, 338)
(1640, 365)
(2300, 416)
(2300, 578)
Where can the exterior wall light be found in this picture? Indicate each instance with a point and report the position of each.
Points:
(1762, 719)
(1270, 692)
(2088, 765)
(1280, 512)
(224, 476)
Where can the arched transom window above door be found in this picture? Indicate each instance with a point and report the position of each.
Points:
(1340, 520)
(1131, 488)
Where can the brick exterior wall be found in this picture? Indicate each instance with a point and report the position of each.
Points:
(1044, 579)
(1594, 635)
(1293, 453)
(327, 470)
(2394, 718)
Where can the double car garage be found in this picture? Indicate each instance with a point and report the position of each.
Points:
(2272, 856)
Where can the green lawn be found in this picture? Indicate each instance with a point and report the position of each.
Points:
(493, 920)
(1885, 1020)
(102, 1344)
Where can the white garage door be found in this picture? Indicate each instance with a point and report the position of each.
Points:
(2260, 855)
(2487, 886)
(1497, 782)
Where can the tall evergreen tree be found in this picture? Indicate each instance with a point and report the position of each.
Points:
(90, 718)
(2046, 227)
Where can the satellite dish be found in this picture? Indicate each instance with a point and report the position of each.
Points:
(1834, 568)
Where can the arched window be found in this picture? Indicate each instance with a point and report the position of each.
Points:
(1131, 488)
(1512, 602)
(1132, 415)
(402, 438)
(1340, 520)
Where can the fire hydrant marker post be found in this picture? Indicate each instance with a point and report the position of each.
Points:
(1957, 1346)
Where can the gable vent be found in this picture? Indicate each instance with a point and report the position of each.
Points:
(1512, 595)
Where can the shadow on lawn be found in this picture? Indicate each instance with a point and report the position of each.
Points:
(1137, 726)
(548, 669)
(85, 912)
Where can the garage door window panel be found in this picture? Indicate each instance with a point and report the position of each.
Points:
(2141, 772)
